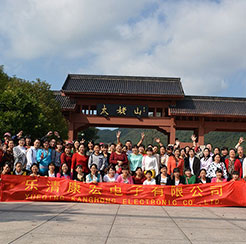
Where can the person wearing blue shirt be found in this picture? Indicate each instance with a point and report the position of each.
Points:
(135, 159)
(44, 157)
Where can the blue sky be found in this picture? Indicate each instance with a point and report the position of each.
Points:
(200, 41)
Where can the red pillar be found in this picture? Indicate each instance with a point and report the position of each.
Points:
(201, 132)
(71, 131)
(172, 132)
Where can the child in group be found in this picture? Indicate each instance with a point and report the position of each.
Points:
(80, 175)
(149, 162)
(64, 172)
(138, 177)
(34, 170)
(18, 169)
(219, 177)
(149, 180)
(111, 176)
(94, 176)
(125, 177)
(189, 178)
(52, 170)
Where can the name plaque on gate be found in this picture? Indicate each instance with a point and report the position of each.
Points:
(122, 110)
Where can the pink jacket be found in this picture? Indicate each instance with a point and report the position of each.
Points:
(121, 180)
(63, 176)
(214, 180)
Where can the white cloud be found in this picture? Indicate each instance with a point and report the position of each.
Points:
(200, 41)
(203, 42)
(37, 28)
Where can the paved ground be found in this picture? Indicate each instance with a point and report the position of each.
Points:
(94, 223)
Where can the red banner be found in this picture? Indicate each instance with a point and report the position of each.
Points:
(26, 188)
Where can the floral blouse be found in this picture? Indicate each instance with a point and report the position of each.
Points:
(213, 167)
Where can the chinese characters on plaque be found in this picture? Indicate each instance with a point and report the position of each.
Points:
(122, 110)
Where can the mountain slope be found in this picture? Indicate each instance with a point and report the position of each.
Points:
(218, 139)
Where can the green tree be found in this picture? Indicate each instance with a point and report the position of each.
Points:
(31, 107)
(4, 79)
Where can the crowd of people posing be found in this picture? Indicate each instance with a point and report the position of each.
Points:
(131, 164)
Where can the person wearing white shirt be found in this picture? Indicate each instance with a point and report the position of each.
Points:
(149, 162)
(244, 168)
(31, 154)
(111, 176)
(163, 156)
(149, 180)
(20, 153)
(191, 161)
(206, 160)
(51, 172)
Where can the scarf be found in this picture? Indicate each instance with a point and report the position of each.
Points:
(231, 166)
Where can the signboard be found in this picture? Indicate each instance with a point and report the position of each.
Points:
(122, 110)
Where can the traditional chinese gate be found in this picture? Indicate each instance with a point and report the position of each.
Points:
(146, 102)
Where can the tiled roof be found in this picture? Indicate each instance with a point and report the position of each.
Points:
(203, 105)
(123, 85)
(64, 101)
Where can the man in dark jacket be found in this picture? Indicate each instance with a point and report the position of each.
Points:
(193, 163)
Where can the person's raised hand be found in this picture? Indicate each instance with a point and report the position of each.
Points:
(177, 142)
(118, 134)
(241, 140)
(193, 138)
(56, 134)
(20, 134)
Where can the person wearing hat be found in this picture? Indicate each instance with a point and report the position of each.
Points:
(18, 169)
(6, 137)
(149, 180)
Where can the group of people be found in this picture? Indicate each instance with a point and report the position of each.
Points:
(131, 164)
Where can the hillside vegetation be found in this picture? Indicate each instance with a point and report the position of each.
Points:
(218, 139)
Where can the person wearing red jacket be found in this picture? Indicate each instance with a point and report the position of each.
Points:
(175, 161)
(232, 164)
(118, 158)
(66, 157)
(80, 158)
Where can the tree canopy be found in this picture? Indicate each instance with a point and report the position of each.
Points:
(29, 106)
